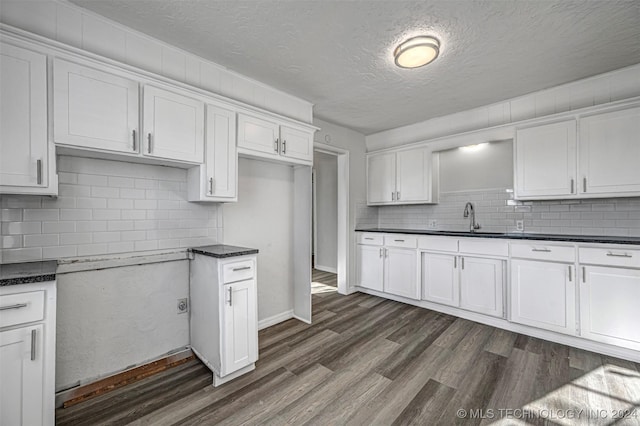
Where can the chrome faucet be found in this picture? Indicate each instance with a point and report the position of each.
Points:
(471, 213)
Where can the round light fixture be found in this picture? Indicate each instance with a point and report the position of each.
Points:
(416, 52)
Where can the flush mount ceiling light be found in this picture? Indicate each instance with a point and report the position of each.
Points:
(416, 52)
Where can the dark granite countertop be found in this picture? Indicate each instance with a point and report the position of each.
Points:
(222, 251)
(27, 272)
(601, 239)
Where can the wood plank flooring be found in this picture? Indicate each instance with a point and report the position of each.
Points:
(326, 278)
(371, 361)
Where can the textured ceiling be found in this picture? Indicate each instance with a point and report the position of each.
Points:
(337, 54)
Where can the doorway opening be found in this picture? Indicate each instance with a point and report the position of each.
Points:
(330, 219)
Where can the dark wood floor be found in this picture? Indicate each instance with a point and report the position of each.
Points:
(326, 278)
(370, 361)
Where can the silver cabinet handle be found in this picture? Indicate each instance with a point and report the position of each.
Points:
(39, 172)
(277, 142)
(284, 146)
(584, 184)
(244, 268)
(393, 195)
(398, 195)
(462, 262)
(570, 273)
(368, 238)
(149, 142)
(211, 186)
(584, 274)
(16, 306)
(381, 249)
(399, 241)
(572, 185)
(133, 136)
(386, 252)
(230, 296)
(455, 262)
(33, 345)
(541, 250)
(619, 255)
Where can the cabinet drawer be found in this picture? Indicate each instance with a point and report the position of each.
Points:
(484, 247)
(405, 241)
(370, 238)
(449, 244)
(609, 256)
(238, 271)
(21, 308)
(544, 251)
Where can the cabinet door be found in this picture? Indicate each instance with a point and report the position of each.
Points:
(440, 278)
(94, 109)
(221, 161)
(413, 175)
(23, 118)
(546, 161)
(481, 285)
(610, 153)
(609, 305)
(401, 273)
(240, 326)
(381, 178)
(21, 375)
(543, 295)
(296, 143)
(258, 135)
(370, 264)
(173, 126)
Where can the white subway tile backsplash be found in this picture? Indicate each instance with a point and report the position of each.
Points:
(106, 207)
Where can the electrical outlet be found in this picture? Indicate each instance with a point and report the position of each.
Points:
(433, 224)
(520, 225)
(183, 306)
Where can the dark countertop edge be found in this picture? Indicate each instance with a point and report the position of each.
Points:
(223, 251)
(596, 239)
(27, 272)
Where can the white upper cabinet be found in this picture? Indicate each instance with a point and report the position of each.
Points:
(381, 175)
(217, 178)
(401, 177)
(263, 137)
(26, 160)
(552, 162)
(610, 153)
(173, 125)
(545, 161)
(296, 143)
(94, 109)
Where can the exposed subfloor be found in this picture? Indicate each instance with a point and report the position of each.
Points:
(371, 361)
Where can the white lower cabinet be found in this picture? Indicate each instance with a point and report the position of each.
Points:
(401, 275)
(27, 354)
(543, 295)
(609, 305)
(21, 371)
(224, 318)
(481, 285)
(440, 278)
(370, 264)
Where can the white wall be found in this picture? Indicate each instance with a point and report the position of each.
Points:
(326, 198)
(353, 142)
(262, 218)
(111, 319)
(600, 89)
(70, 24)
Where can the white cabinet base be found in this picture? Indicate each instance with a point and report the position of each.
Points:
(217, 380)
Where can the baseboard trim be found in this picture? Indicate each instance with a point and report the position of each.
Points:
(301, 319)
(275, 319)
(74, 396)
(326, 269)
